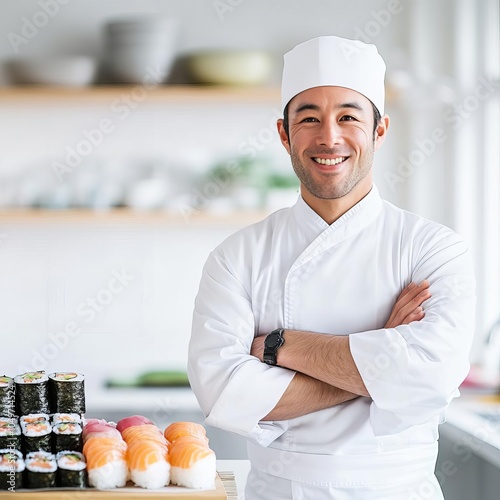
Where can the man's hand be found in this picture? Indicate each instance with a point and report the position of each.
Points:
(408, 306)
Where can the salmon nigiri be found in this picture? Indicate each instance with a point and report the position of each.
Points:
(148, 463)
(192, 463)
(106, 462)
(141, 432)
(178, 429)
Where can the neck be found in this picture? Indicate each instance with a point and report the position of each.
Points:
(332, 209)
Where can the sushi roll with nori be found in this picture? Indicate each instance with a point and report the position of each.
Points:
(33, 418)
(67, 436)
(71, 470)
(36, 436)
(11, 469)
(10, 434)
(40, 470)
(7, 397)
(67, 392)
(59, 418)
(32, 393)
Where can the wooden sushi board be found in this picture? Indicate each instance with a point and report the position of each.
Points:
(176, 493)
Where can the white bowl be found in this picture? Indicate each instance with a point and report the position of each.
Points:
(73, 71)
(138, 66)
(230, 67)
(139, 45)
(140, 24)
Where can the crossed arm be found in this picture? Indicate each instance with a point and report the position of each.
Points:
(326, 373)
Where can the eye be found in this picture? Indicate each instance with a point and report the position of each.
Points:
(348, 118)
(309, 119)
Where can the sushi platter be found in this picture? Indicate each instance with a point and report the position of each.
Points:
(49, 449)
(128, 492)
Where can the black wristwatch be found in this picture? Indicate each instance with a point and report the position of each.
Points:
(271, 345)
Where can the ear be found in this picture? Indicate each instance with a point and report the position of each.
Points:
(381, 131)
(283, 136)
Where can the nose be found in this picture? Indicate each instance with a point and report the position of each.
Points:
(329, 133)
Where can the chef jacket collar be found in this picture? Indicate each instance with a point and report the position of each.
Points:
(352, 221)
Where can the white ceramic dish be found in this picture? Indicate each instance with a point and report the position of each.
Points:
(140, 45)
(73, 71)
(231, 67)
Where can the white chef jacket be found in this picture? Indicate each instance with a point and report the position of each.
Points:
(295, 271)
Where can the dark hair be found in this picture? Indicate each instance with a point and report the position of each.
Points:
(376, 118)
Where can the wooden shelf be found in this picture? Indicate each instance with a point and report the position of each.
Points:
(128, 216)
(162, 93)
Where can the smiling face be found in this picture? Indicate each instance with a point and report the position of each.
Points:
(331, 143)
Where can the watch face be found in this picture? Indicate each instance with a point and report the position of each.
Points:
(273, 340)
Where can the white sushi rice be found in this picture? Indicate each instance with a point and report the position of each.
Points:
(200, 475)
(155, 476)
(112, 475)
(64, 462)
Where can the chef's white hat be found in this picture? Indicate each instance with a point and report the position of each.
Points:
(334, 61)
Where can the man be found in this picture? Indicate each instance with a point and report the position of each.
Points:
(334, 333)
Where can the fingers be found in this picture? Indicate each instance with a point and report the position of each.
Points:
(407, 290)
(413, 306)
(416, 315)
(408, 307)
(411, 292)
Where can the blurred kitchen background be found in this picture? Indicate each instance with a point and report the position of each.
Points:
(135, 135)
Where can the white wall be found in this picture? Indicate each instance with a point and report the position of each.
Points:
(48, 271)
(107, 299)
(276, 25)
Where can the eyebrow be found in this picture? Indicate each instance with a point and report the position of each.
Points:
(314, 107)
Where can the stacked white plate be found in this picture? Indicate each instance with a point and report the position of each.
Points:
(72, 71)
(140, 49)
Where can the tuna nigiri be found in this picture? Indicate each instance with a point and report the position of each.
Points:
(100, 430)
(130, 421)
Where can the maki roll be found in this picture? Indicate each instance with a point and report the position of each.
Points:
(7, 397)
(32, 394)
(71, 470)
(40, 470)
(36, 436)
(33, 418)
(67, 392)
(67, 436)
(59, 418)
(10, 434)
(11, 470)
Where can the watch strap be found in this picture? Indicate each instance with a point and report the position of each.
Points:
(271, 351)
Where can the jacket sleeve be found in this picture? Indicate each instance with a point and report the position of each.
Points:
(234, 389)
(413, 371)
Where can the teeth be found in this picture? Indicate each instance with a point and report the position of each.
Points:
(329, 162)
